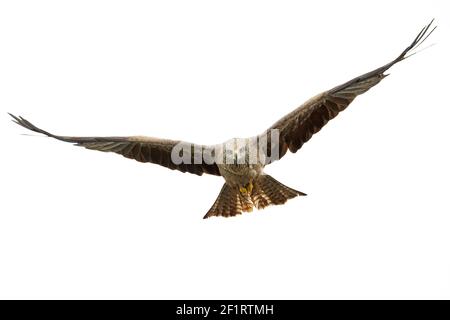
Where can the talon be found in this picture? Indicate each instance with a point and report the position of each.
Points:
(249, 188)
(242, 190)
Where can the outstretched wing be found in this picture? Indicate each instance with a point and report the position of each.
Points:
(300, 125)
(142, 149)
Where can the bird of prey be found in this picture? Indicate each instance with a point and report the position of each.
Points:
(241, 161)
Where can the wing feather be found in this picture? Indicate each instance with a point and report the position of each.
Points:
(142, 149)
(297, 127)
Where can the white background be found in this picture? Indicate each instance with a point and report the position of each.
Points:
(76, 223)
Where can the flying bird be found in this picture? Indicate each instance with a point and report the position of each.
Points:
(241, 161)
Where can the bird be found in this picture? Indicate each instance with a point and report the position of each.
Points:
(241, 161)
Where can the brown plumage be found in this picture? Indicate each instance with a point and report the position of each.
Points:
(246, 185)
(266, 191)
(142, 149)
(300, 125)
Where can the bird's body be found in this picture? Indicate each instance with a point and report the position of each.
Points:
(241, 162)
(234, 161)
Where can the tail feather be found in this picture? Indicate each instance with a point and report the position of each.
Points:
(266, 191)
(270, 191)
(229, 203)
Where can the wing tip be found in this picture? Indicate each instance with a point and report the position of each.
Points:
(423, 35)
(21, 121)
(14, 118)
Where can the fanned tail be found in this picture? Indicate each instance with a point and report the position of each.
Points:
(229, 203)
(266, 191)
